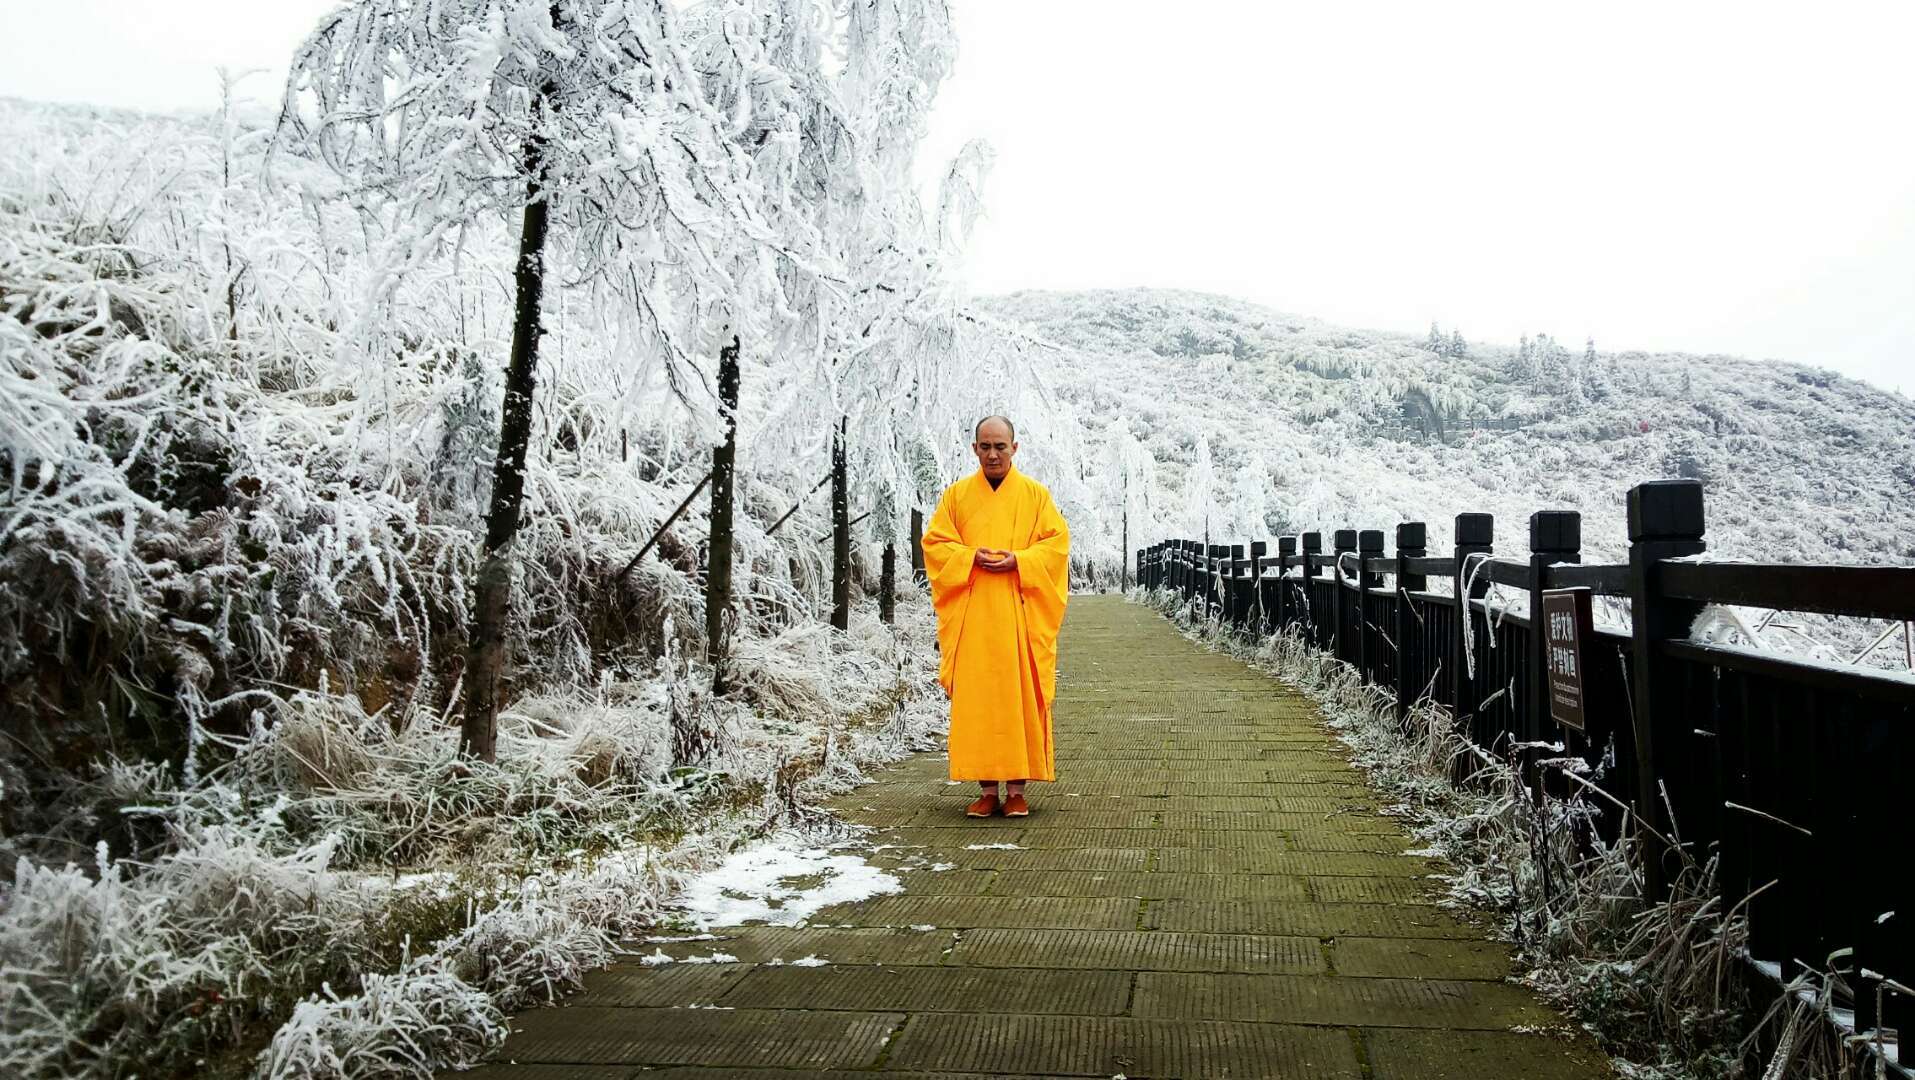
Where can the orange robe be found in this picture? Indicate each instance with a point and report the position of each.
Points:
(997, 633)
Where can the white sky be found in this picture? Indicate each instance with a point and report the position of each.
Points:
(1710, 177)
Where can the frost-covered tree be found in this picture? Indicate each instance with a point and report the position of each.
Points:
(584, 118)
(1250, 491)
(1129, 488)
(871, 333)
(1459, 349)
(1200, 496)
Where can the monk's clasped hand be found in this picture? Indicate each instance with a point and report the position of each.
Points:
(997, 562)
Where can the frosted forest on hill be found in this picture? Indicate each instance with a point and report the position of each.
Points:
(1268, 424)
(1248, 424)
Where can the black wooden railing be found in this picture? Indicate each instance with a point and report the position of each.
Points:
(1789, 772)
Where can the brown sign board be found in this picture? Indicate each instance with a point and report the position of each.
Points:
(1569, 624)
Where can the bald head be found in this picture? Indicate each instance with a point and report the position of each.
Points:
(996, 445)
(1010, 429)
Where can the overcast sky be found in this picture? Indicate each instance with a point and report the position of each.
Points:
(1709, 177)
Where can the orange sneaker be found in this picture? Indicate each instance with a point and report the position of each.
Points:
(1015, 806)
(985, 806)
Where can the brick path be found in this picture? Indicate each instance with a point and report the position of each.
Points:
(1207, 891)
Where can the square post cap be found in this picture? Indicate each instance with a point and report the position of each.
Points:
(1370, 541)
(1665, 510)
(1258, 548)
(1411, 536)
(1236, 551)
(1312, 541)
(1346, 539)
(1475, 529)
(1555, 531)
(1286, 545)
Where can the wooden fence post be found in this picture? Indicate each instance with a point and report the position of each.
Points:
(888, 584)
(1286, 555)
(1213, 588)
(1369, 652)
(1233, 604)
(1312, 564)
(917, 547)
(1555, 536)
(1180, 567)
(1411, 543)
(1665, 522)
(1475, 535)
(1345, 542)
(1258, 609)
(1189, 569)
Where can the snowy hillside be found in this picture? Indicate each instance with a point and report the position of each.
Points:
(1267, 423)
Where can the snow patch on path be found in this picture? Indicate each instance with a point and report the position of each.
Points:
(754, 885)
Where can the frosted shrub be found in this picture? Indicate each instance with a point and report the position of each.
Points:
(400, 1025)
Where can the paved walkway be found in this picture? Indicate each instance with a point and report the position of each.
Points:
(1207, 891)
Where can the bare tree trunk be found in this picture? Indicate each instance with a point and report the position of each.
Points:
(485, 655)
(840, 534)
(724, 459)
(888, 585)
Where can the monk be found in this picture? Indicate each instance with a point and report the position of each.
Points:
(998, 556)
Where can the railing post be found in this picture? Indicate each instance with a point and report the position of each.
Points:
(1411, 543)
(1262, 624)
(1475, 535)
(1313, 619)
(1187, 569)
(1204, 583)
(1236, 608)
(1189, 565)
(1555, 536)
(1214, 581)
(1665, 522)
(1369, 546)
(1345, 541)
(1286, 554)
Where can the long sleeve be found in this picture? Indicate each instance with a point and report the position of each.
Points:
(1044, 565)
(1044, 581)
(950, 564)
(948, 561)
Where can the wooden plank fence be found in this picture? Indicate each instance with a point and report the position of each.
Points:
(1789, 772)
